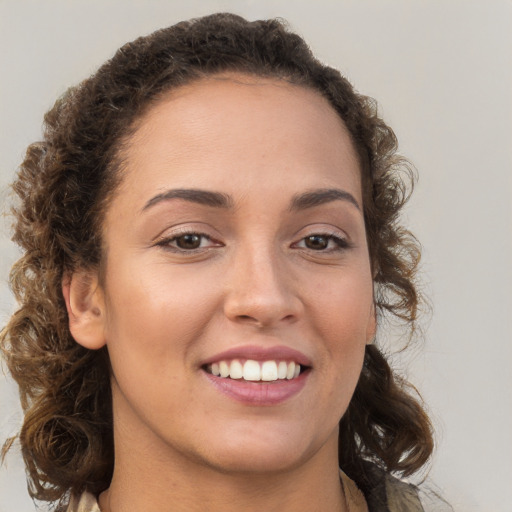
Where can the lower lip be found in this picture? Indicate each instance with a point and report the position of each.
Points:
(259, 393)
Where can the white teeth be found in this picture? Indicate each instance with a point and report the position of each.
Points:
(224, 369)
(252, 370)
(266, 371)
(282, 370)
(235, 370)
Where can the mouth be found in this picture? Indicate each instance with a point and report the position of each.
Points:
(258, 376)
(256, 371)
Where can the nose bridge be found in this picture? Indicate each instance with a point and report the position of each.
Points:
(260, 289)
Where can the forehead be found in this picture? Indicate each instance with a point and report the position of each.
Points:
(236, 130)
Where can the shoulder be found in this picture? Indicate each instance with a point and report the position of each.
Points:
(84, 503)
(385, 493)
(402, 496)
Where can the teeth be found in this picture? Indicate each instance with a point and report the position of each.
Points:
(282, 370)
(252, 370)
(269, 371)
(255, 371)
(224, 369)
(235, 370)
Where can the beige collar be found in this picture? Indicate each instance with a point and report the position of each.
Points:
(354, 497)
(86, 503)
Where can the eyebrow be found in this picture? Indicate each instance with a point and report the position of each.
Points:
(204, 197)
(318, 197)
(303, 201)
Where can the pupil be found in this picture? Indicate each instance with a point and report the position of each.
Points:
(189, 241)
(316, 242)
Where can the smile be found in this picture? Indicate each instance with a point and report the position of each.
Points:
(254, 371)
(258, 376)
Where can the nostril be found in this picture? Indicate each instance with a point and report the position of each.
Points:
(246, 317)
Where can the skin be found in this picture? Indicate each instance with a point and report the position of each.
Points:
(163, 310)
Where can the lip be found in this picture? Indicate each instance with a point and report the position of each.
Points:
(258, 353)
(259, 393)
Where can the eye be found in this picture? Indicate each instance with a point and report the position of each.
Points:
(187, 242)
(323, 242)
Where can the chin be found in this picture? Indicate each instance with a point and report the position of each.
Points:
(253, 461)
(264, 450)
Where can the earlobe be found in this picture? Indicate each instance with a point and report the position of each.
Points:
(86, 308)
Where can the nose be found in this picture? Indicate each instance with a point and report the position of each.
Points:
(261, 290)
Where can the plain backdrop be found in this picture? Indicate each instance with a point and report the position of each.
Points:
(442, 73)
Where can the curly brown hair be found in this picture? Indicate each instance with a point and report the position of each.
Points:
(63, 188)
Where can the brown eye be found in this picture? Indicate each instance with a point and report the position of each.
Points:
(316, 242)
(189, 241)
(323, 242)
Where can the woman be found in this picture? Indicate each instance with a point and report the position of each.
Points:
(210, 235)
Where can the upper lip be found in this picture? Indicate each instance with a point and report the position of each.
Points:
(258, 353)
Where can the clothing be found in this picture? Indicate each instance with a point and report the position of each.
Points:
(85, 503)
(385, 493)
(388, 495)
(393, 495)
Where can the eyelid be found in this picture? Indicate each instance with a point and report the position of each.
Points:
(168, 237)
(341, 242)
(339, 237)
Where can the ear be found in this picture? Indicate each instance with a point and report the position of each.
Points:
(371, 328)
(86, 308)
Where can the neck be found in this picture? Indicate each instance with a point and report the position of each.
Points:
(151, 473)
(224, 493)
(145, 479)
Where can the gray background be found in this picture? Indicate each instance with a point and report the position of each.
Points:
(442, 73)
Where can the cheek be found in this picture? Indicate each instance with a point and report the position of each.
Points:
(343, 306)
(154, 316)
(155, 322)
(342, 317)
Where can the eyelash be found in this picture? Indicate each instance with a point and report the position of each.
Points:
(166, 242)
(341, 244)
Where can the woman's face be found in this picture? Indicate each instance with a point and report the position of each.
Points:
(236, 243)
